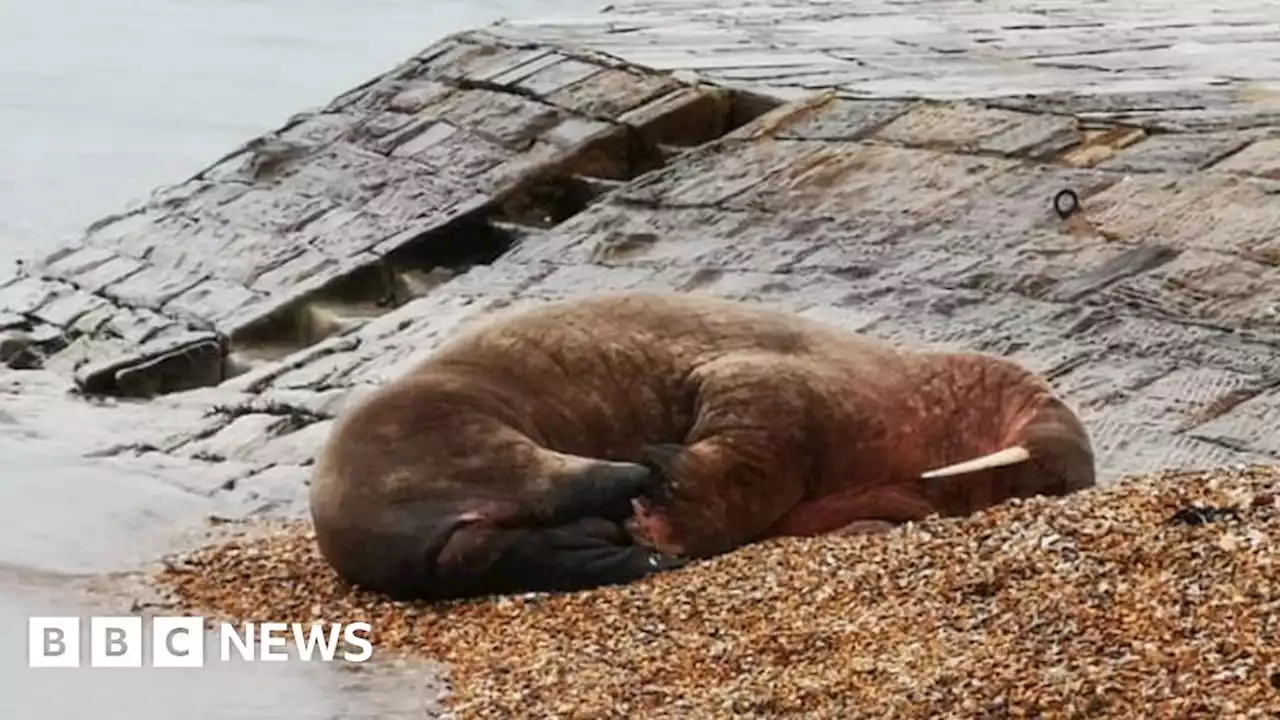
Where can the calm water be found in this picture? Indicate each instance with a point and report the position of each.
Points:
(102, 101)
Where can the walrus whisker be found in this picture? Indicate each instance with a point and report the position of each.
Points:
(1008, 456)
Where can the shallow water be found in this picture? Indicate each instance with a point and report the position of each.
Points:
(72, 532)
(102, 101)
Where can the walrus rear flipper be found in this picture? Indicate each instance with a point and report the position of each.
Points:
(458, 557)
(580, 555)
(483, 560)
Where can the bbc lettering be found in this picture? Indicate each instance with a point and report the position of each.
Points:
(180, 641)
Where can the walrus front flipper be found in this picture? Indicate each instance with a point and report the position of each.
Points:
(743, 464)
(593, 488)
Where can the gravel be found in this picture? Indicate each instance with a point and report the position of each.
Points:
(1153, 597)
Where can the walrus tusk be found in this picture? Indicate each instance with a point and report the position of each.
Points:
(1008, 456)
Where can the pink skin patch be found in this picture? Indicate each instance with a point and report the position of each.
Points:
(649, 527)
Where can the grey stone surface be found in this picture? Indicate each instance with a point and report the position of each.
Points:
(404, 166)
(159, 367)
(1144, 307)
(1182, 64)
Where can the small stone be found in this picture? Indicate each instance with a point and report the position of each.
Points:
(17, 351)
(169, 364)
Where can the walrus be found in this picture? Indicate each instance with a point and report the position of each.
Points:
(597, 440)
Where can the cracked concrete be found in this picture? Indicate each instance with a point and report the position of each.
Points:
(195, 349)
(1184, 65)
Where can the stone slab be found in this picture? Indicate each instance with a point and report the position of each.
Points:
(1186, 66)
(1177, 152)
(1251, 424)
(1259, 159)
(441, 139)
(1202, 211)
(844, 119)
(972, 127)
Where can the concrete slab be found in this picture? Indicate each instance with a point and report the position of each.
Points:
(399, 167)
(1183, 65)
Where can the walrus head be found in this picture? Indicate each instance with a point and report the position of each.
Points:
(1047, 452)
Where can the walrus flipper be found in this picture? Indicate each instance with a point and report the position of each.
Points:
(482, 559)
(742, 465)
(662, 460)
(580, 555)
(594, 488)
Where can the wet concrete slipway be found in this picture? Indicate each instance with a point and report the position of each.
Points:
(889, 167)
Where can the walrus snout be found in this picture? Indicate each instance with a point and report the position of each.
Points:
(586, 487)
(1062, 458)
(1044, 450)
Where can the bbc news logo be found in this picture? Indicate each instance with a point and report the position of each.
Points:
(180, 641)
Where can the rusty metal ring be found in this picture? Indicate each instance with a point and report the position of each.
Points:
(1066, 202)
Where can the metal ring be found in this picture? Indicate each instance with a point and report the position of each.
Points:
(1066, 202)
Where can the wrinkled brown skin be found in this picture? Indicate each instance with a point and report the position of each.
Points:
(512, 459)
(981, 404)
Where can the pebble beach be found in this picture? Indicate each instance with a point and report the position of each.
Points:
(1153, 597)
